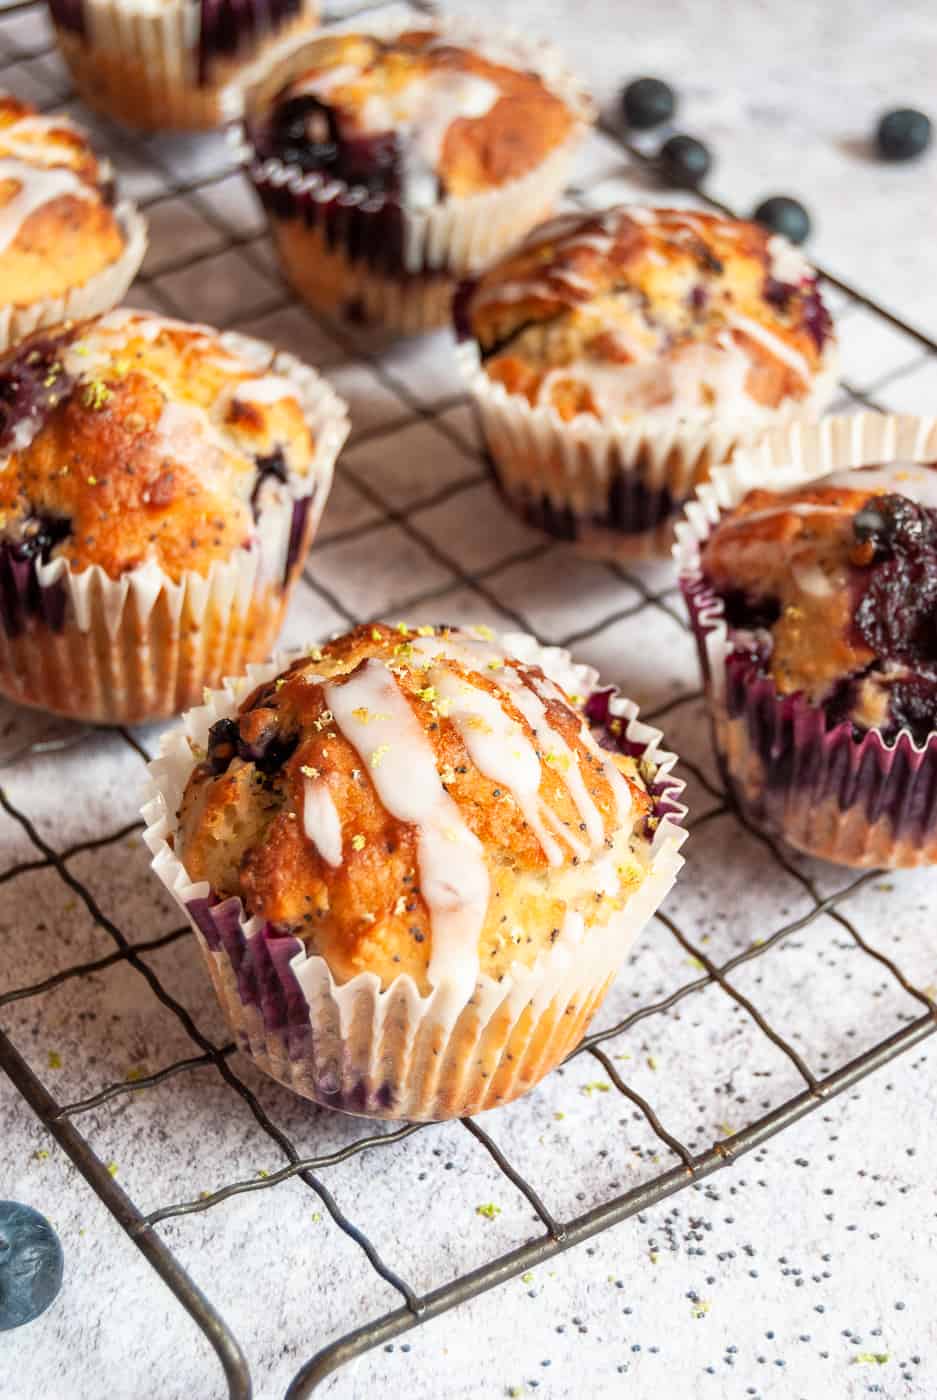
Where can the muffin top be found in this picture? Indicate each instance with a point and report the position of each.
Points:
(832, 588)
(650, 312)
(416, 117)
(57, 227)
(134, 438)
(416, 800)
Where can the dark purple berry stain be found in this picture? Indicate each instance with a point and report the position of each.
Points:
(817, 319)
(31, 1265)
(270, 467)
(32, 383)
(227, 26)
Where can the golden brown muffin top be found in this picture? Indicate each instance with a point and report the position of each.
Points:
(835, 583)
(135, 438)
(416, 800)
(57, 227)
(416, 116)
(633, 312)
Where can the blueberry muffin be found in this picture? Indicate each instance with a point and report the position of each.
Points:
(160, 485)
(66, 249)
(413, 867)
(617, 356)
(816, 612)
(390, 164)
(176, 65)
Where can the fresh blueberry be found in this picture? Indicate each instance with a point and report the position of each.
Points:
(647, 102)
(41, 533)
(781, 214)
(903, 134)
(684, 161)
(31, 1264)
(272, 466)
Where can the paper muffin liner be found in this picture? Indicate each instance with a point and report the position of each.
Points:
(174, 65)
(143, 647)
(613, 489)
(855, 801)
(369, 260)
(99, 294)
(397, 1053)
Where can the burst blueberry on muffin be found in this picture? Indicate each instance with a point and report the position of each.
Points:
(175, 65)
(160, 484)
(413, 867)
(65, 248)
(390, 165)
(816, 613)
(616, 357)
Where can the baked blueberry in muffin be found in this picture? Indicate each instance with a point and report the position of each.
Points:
(381, 159)
(419, 827)
(64, 246)
(617, 356)
(815, 612)
(160, 485)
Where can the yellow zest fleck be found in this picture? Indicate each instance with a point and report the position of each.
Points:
(443, 707)
(41, 1154)
(598, 1086)
(404, 649)
(81, 349)
(377, 755)
(96, 394)
(651, 1062)
(55, 1060)
(489, 1210)
(357, 842)
(495, 665)
(426, 631)
(428, 694)
(558, 760)
(280, 683)
(451, 834)
(362, 714)
(134, 1074)
(308, 771)
(263, 1174)
(403, 628)
(315, 654)
(375, 634)
(559, 1115)
(485, 633)
(701, 1308)
(112, 1168)
(92, 481)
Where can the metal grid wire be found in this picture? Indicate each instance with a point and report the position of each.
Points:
(63, 1119)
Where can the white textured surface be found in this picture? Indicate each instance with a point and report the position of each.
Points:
(782, 1276)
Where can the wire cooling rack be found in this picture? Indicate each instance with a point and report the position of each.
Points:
(206, 241)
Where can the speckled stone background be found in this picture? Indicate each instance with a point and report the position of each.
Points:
(807, 1269)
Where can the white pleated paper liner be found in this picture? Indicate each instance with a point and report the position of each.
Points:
(392, 1052)
(614, 489)
(370, 259)
(144, 647)
(99, 294)
(174, 65)
(855, 800)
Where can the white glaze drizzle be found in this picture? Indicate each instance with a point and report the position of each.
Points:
(498, 747)
(269, 388)
(37, 186)
(375, 717)
(321, 821)
(772, 343)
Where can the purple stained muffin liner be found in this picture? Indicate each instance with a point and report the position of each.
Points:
(634, 508)
(23, 599)
(227, 27)
(798, 764)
